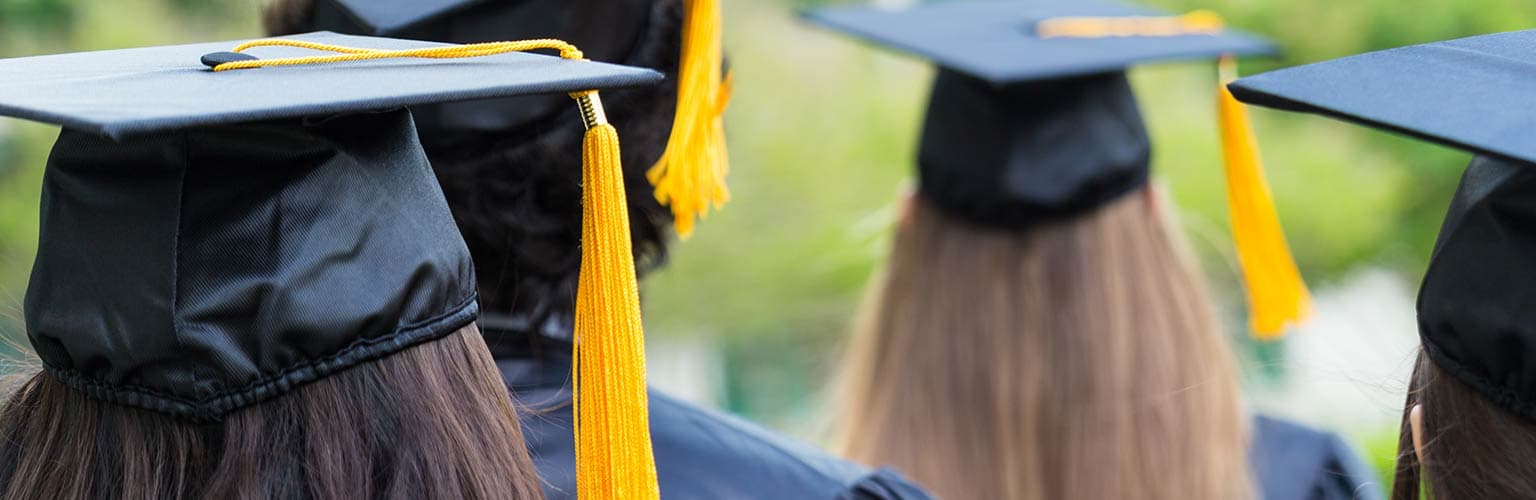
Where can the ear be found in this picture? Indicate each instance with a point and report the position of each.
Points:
(1416, 426)
(1154, 198)
(906, 204)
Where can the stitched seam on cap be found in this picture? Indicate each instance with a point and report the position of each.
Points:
(181, 203)
(199, 408)
(1500, 395)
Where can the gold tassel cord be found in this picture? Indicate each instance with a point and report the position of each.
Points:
(347, 54)
(1277, 295)
(614, 458)
(690, 175)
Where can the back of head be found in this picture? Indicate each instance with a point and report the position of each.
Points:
(211, 329)
(433, 421)
(1472, 447)
(1076, 359)
(506, 167)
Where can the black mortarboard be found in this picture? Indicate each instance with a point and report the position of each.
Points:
(1473, 93)
(474, 21)
(1477, 305)
(1024, 128)
(1032, 120)
(213, 237)
(138, 91)
(1001, 42)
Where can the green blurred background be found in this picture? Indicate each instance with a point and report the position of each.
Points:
(822, 134)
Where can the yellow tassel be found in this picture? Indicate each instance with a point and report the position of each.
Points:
(613, 436)
(1277, 296)
(690, 175)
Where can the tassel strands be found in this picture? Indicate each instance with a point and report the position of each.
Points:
(1277, 296)
(690, 175)
(613, 442)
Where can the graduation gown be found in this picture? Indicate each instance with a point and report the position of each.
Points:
(700, 453)
(1293, 462)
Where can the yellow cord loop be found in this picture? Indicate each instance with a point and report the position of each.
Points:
(612, 424)
(690, 175)
(347, 54)
(1200, 22)
(1277, 295)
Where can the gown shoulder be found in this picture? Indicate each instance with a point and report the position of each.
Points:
(700, 453)
(1295, 462)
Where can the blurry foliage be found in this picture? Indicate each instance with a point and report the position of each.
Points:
(35, 14)
(823, 135)
(30, 27)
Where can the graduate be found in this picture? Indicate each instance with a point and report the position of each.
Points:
(514, 193)
(248, 283)
(1040, 330)
(1469, 423)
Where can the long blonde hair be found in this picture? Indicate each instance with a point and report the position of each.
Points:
(1079, 359)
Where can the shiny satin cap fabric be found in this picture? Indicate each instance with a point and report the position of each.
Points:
(1031, 153)
(1472, 93)
(997, 40)
(1477, 304)
(156, 89)
(212, 240)
(1021, 129)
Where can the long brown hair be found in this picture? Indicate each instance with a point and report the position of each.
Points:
(1076, 360)
(432, 421)
(1472, 448)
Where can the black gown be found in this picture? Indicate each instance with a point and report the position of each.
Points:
(700, 453)
(1293, 462)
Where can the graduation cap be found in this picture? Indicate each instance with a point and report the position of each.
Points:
(690, 175)
(219, 228)
(1031, 118)
(1477, 304)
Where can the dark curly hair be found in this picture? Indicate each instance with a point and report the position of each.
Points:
(516, 193)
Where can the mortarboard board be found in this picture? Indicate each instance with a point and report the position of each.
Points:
(690, 175)
(215, 237)
(1470, 93)
(135, 91)
(1000, 41)
(476, 21)
(1031, 118)
(1477, 318)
